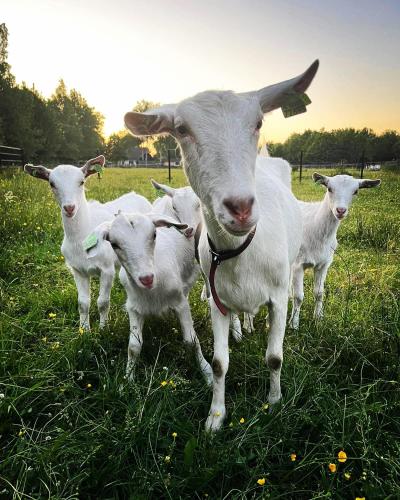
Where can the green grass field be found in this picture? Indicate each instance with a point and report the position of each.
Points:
(70, 426)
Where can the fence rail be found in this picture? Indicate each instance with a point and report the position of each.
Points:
(10, 156)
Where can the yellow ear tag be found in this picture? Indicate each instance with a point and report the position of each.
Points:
(295, 104)
(89, 242)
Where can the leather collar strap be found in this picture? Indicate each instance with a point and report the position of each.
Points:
(218, 257)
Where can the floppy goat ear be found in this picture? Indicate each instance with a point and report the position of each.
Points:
(152, 122)
(275, 96)
(39, 172)
(170, 191)
(368, 183)
(93, 243)
(91, 166)
(320, 179)
(166, 221)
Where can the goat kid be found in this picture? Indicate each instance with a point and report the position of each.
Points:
(79, 218)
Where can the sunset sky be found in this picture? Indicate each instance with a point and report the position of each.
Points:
(117, 52)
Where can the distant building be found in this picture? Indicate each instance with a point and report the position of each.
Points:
(134, 156)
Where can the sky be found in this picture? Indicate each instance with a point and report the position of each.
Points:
(118, 52)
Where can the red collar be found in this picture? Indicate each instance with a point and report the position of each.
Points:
(219, 256)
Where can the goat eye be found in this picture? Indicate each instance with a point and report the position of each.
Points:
(182, 130)
(154, 235)
(115, 246)
(259, 125)
(330, 190)
(82, 183)
(52, 185)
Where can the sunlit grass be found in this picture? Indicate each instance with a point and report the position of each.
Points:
(70, 427)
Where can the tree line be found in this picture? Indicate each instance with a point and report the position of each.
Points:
(346, 145)
(66, 129)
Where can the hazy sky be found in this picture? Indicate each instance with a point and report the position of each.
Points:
(117, 52)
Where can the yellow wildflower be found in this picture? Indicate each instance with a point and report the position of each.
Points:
(81, 331)
(89, 386)
(172, 383)
(241, 420)
(174, 435)
(293, 457)
(52, 315)
(61, 257)
(55, 345)
(44, 339)
(332, 467)
(164, 383)
(347, 475)
(21, 432)
(231, 424)
(167, 459)
(261, 481)
(360, 498)
(342, 456)
(265, 406)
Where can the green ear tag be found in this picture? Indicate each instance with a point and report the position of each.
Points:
(295, 104)
(89, 242)
(99, 169)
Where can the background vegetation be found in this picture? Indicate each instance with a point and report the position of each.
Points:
(71, 427)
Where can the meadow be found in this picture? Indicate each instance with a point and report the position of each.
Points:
(71, 427)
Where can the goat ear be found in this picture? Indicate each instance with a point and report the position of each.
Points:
(93, 166)
(93, 243)
(39, 172)
(368, 183)
(155, 121)
(320, 179)
(165, 221)
(170, 191)
(276, 96)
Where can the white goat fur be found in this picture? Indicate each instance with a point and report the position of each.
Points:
(321, 221)
(184, 205)
(218, 134)
(67, 184)
(169, 258)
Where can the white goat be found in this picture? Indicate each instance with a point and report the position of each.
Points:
(157, 273)
(320, 224)
(184, 205)
(79, 218)
(218, 134)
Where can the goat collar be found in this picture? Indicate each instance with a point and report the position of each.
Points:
(219, 256)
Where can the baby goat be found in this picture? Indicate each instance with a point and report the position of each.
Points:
(157, 273)
(79, 218)
(320, 224)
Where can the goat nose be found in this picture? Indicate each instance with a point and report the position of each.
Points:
(341, 210)
(188, 232)
(69, 209)
(147, 280)
(240, 208)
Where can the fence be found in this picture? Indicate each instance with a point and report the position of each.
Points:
(11, 156)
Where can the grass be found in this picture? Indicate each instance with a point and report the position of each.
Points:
(71, 428)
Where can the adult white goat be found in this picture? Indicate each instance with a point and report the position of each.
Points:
(321, 221)
(157, 273)
(218, 134)
(79, 218)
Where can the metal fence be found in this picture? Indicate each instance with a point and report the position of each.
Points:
(10, 156)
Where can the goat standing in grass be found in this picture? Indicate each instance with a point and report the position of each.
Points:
(321, 221)
(79, 218)
(218, 133)
(157, 274)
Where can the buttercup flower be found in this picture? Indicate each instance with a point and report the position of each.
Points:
(44, 339)
(164, 383)
(342, 456)
(261, 481)
(81, 331)
(332, 468)
(347, 475)
(293, 457)
(174, 435)
(89, 386)
(241, 420)
(55, 345)
(52, 315)
(360, 498)
(167, 459)
(265, 406)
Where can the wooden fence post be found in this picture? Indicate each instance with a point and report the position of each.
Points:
(301, 165)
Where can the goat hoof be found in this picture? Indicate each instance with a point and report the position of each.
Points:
(215, 420)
